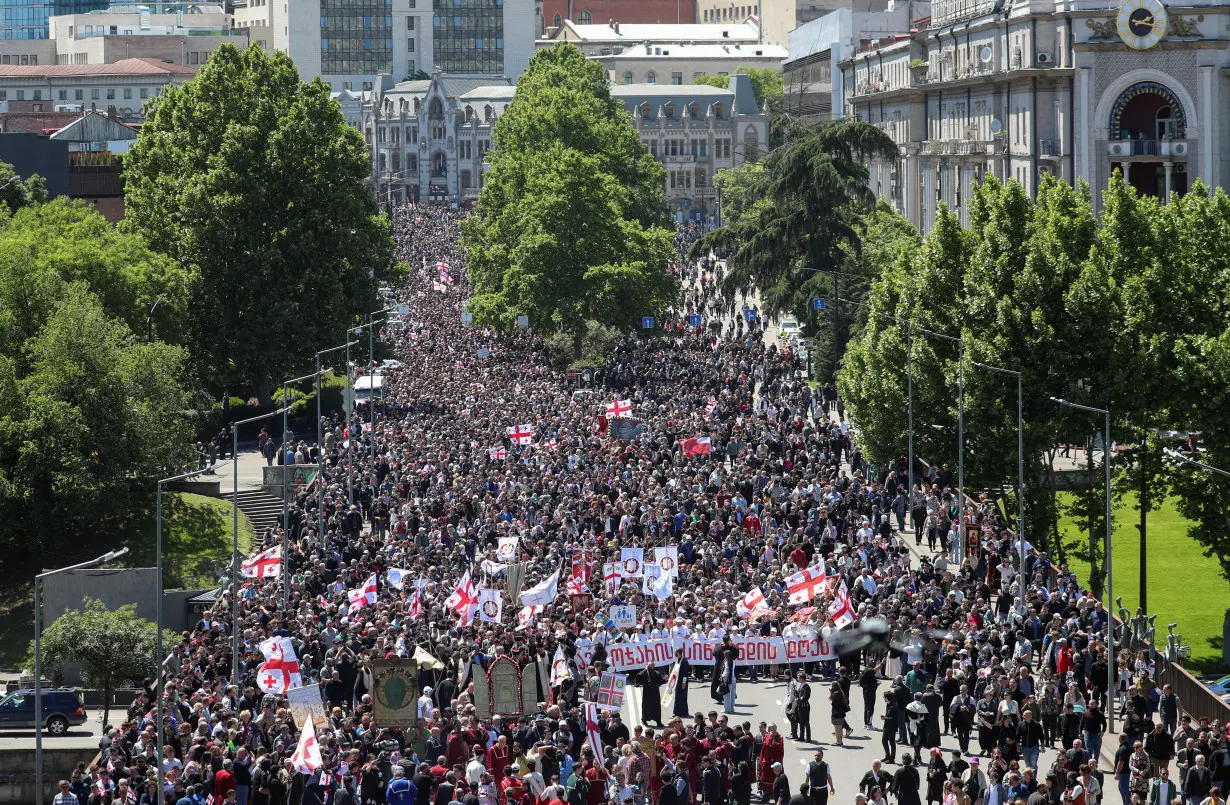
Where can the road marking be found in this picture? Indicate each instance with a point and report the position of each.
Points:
(779, 702)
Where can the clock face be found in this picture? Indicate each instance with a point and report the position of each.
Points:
(1142, 23)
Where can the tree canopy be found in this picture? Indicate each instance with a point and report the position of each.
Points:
(767, 83)
(87, 407)
(571, 225)
(254, 182)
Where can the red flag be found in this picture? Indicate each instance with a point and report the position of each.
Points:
(696, 446)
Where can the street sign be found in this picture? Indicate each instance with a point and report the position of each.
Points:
(647, 322)
(523, 322)
(572, 374)
(749, 314)
(483, 352)
(695, 319)
(403, 310)
(817, 304)
(467, 317)
(624, 616)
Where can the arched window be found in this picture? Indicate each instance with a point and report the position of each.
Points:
(1166, 123)
(669, 110)
(436, 110)
(645, 110)
(439, 165)
(381, 168)
(417, 106)
(488, 112)
(628, 77)
(751, 145)
(651, 77)
(469, 113)
(557, 21)
(719, 110)
(585, 18)
(694, 110)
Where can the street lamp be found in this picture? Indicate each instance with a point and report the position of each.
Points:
(1020, 470)
(149, 317)
(285, 473)
(1110, 594)
(1175, 454)
(320, 445)
(235, 539)
(38, 659)
(158, 648)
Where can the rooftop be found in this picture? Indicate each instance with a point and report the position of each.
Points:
(706, 51)
(124, 67)
(489, 93)
(669, 90)
(746, 31)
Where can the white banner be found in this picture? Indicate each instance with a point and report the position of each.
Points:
(624, 616)
(752, 651)
(668, 559)
(634, 562)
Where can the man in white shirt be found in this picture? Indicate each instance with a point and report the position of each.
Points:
(425, 705)
(475, 769)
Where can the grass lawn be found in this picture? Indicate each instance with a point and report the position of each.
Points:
(196, 533)
(1184, 586)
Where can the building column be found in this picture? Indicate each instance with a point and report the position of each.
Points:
(1166, 192)
(1127, 170)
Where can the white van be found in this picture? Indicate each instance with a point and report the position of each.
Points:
(366, 388)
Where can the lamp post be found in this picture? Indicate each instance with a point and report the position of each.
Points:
(1110, 590)
(1020, 470)
(1175, 454)
(960, 553)
(285, 473)
(235, 540)
(38, 660)
(149, 318)
(158, 648)
(320, 445)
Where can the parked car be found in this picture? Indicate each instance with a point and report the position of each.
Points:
(787, 330)
(1221, 686)
(62, 708)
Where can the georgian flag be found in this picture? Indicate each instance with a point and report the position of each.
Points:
(543, 593)
(619, 409)
(396, 578)
(365, 595)
(525, 618)
(521, 434)
(592, 729)
(804, 585)
(280, 671)
(498, 454)
(264, 565)
(307, 757)
(464, 599)
(750, 603)
(711, 407)
(416, 605)
(840, 610)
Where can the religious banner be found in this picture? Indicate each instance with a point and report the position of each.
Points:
(612, 572)
(513, 580)
(305, 703)
(582, 564)
(634, 562)
(490, 606)
(396, 694)
(611, 689)
(668, 559)
(652, 573)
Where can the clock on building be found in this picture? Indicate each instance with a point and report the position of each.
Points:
(1142, 23)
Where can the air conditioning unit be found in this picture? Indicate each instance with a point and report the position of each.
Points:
(1046, 59)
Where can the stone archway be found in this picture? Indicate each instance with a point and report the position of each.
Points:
(1135, 111)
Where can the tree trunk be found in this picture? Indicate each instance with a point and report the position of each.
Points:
(1144, 521)
(264, 393)
(578, 343)
(106, 704)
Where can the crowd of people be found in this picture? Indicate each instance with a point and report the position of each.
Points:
(982, 649)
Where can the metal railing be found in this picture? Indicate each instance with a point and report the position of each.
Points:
(1194, 698)
(1050, 148)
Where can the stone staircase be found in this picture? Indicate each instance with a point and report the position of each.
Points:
(263, 509)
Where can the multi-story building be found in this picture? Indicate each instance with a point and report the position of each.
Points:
(428, 138)
(120, 88)
(181, 33)
(777, 18)
(346, 42)
(809, 91)
(679, 64)
(27, 19)
(614, 37)
(585, 12)
(1075, 88)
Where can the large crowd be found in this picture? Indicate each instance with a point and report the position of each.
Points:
(1012, 662)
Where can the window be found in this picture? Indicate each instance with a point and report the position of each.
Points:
(700, 177)
(585, 18)
(557, 21)
(465, 180)
(38, 94)
(677, 79)
(397, 160)
(669, 109)
(628, 77)
(63, 95)
(4, 94)
(128, 93)
(111, 94)
(144, 93)
(651, 77)
(469, 113)
(410, 45)
(410, 23)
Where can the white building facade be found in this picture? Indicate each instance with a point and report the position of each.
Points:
(680, 64)
(1076, 89)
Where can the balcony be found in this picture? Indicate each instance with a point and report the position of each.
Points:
(1049, 148)
(681, 159)
(1147, 148)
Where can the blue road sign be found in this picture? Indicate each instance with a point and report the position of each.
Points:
(749, 314)
(817, 304)
(694, 320)
(647, 322)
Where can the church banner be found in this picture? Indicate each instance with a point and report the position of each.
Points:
(752, 651)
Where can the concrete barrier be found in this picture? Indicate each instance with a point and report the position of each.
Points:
(297, 477)
(17, 772)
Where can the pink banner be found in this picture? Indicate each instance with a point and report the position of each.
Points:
(625, 656)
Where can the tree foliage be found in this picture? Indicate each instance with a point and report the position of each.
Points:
(571, 225)
(111, 646)
(767, 83)
(254, 182)
(87, 407)
(16, 192)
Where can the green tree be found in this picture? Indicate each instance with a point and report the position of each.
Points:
(87, 410)
(16, 192)
(767, 83)
(254, 182)
(816, 184)
(112, 646)
(570, 227)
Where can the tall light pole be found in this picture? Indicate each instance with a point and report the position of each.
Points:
(960, 553)
(1175, 454)
(1020, 470)
(320, 444)
(159, 654)
(38, 660)
(235, 539)
(285, 485)
(1110, 590)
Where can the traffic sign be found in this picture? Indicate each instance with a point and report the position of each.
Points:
(749, 314)
(523, 321)
(647, 322)
(694, 320)
(817, 304)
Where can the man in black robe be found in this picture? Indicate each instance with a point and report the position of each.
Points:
(681, 687)
(651, 681)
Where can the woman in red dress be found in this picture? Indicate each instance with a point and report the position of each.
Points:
(774, 751)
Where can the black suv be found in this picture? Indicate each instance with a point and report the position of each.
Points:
(61, 709)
